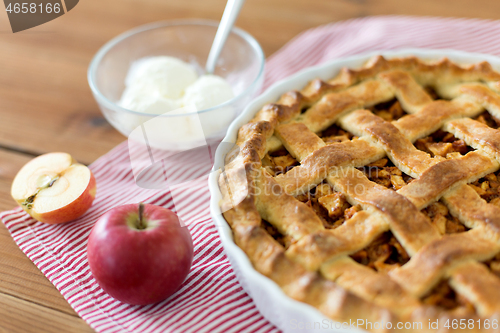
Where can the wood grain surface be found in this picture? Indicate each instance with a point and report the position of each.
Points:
(46, 105)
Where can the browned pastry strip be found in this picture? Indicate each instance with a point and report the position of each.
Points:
(482, 95)
(356, 233)
(269, 259)
(426, 267)
(412, 228)
(433, 74)
(476, 134)
(434, 115)
(244, 212)
(439, 178)
(288, 107)
(399, 149)
(479, 286)
(237, 185)
(264, 122)
(317, 88)
(316, 166)
(470, 208)
(298, 140)
(291, 104)
(325, 112)
(290, 216)
(408, 92)
(251, 144)
(370, 285)
(273, 144)
(330, 107)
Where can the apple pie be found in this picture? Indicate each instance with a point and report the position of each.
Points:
(375, 195)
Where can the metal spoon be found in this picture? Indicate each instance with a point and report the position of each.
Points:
(226, 24)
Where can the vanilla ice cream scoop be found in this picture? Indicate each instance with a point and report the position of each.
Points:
(208, 91)
(157, 85)
(168, 86)
(165, 76)
(137, 99)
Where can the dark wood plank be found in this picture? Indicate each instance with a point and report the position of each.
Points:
(19, 277)
(19, 316)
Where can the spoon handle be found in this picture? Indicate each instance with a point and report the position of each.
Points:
(226, 24)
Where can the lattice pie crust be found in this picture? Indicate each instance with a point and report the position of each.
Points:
(320, 225)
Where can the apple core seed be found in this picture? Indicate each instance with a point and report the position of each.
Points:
(43, 182)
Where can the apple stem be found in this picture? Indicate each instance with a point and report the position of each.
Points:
(141, 212)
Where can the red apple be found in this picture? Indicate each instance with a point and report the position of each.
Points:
(139, 253)
(54, 188)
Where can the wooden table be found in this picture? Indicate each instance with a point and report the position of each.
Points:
(46, 105)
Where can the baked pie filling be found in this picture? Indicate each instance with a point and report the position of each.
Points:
(376, 195)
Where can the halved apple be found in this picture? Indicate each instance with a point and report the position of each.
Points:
(54, 188)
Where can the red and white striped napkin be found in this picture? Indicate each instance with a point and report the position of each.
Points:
(211, 299)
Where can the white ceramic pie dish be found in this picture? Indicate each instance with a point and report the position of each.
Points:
(287, 314)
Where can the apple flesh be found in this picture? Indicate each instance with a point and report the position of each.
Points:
(54, 188)
(139, 253)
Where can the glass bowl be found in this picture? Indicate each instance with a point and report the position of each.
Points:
(241, 63)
